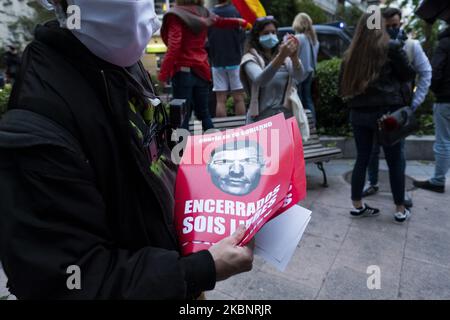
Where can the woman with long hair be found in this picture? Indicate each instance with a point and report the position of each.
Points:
(305, 33)
(373, 71)
(270, 70)
(184, 31)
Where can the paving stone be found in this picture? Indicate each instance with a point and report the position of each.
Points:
(218, 295)
(422, 280)
(346, 283)
(326, 222)
(234, 286)
(311, 261)
(428, 244)
(4, 292)
(362, 249)
(267, 286)
(337, 195)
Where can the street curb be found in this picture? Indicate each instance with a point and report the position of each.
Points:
(416, 148)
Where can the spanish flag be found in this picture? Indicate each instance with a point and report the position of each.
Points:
(250, 10)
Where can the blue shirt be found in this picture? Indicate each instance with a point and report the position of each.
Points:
(225, 45)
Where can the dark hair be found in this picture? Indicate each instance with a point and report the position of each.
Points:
(238, 145)
(253, 39)
(364, 59)
(391, 12)
(64, 4)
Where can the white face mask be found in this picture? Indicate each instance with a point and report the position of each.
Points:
(117, 31)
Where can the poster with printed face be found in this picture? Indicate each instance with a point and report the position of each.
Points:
(240, 176)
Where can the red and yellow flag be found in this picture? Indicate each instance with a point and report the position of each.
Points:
(250, 10)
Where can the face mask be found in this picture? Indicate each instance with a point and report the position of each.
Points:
(393, 32)
(269, 41)
(116, 31)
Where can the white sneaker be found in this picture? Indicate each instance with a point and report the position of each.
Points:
(402, 216)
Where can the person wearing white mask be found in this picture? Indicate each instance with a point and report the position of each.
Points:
(85, 172)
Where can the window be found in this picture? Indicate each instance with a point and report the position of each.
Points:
(331, 45)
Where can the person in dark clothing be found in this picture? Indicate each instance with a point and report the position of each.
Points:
(372, 75)
(85, 171)
(225, 52)
(12, 63)
(416, 91)
(440, 85)
(184, 31)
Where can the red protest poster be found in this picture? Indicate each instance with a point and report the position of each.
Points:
(297, 190)
(240, 176)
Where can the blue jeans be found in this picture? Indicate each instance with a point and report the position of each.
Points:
(374, 162)
(187, 85)
(305, 94)
(442, 146)
(364, 130)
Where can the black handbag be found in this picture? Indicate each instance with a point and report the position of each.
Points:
(269, 112)
(395, 126)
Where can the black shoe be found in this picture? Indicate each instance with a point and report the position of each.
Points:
(366, 211)
(370, 190)
(427, 185)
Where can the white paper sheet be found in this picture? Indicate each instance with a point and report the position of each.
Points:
(277, 240)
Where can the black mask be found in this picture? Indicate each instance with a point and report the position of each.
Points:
(393, 32)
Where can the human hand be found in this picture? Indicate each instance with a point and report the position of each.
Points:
(296, 45)
(289, 48)
(231, 259)
(245, 24)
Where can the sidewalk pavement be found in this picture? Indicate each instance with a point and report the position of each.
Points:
(332, 259)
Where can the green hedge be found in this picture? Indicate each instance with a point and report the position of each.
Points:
(4, 97)
(332, 113)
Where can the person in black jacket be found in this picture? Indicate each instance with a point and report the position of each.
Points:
(440, 85)
(372, 75)
(225, 52)
(81, 188)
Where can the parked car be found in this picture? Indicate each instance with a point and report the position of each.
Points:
(334, 39)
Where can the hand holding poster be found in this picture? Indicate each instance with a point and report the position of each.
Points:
(244, 176)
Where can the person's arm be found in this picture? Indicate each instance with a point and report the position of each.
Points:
(399, 62)
(257, 75)
(304, 56)
(296, 69)
(59, 219)
(230, 23)
(261, 77)
(422, 66)
(438, 63)
(175, 34)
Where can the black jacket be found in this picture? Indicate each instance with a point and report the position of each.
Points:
(76, 187)
(440, 84)
(391, 89)
(12, 62)
(225, 45)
